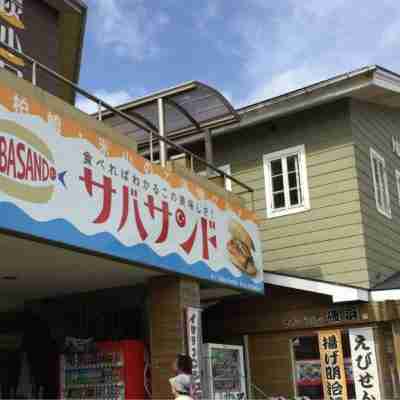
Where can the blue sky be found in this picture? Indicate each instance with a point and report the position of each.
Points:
(248, 49)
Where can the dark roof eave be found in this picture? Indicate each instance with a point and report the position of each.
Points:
(299, 99)
(390, 283)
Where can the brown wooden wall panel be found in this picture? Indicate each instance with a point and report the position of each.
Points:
(271, 364)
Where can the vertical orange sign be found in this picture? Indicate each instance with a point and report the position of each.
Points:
(332, 365)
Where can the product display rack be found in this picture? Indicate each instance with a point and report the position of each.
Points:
(96, 375)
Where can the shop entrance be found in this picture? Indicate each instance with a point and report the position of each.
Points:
(59, 347)
(55, 295)
(307, 366)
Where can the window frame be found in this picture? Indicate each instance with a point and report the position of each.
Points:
(382, 190)
(397, 175)
(305, 205)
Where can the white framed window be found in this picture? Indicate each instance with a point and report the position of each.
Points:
(286, 183)
(397, 172)
(380, 181)
(225, 168)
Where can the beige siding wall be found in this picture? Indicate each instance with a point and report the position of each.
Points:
(373, 126)
(327, 241)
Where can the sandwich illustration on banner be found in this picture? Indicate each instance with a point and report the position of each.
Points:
(241, 248)
(27, 165)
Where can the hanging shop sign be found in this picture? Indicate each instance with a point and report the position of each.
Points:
(332, 365)
(195, 344)
(343, 314)
(60, 180)
(365, 369)
(322, 317)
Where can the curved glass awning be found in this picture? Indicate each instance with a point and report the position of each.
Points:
(188, 108)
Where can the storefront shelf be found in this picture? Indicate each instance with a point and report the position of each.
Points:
(94, 366)
(85, 385)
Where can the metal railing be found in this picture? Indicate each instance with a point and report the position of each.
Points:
(137, 120)
(257, 393)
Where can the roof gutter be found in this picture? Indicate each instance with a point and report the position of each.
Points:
(310, 88)
(339, 293)
(301, 99)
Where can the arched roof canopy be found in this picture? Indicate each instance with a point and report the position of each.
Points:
(188, 108)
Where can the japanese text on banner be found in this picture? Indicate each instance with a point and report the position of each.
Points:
(332, 365)
(363, 359)
(194, 342)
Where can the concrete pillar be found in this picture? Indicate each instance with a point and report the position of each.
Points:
(169, 296)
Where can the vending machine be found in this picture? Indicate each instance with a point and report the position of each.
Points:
(225, 372)
(111, 370)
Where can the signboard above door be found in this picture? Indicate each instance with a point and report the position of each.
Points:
(61, 181)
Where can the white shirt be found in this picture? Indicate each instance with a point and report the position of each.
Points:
(183, 397)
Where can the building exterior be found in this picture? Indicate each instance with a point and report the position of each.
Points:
(51, 32)
(346, 237)
(110, 233)
(323, 162)
(98, 243)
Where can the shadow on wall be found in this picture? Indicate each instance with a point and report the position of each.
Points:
(311, 273)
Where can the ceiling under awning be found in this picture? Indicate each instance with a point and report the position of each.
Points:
(188, 108)
(33, 269)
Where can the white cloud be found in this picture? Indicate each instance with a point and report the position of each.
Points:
(212, 8)
(282, 83)
(288, 80)
(390, 36)
(128, 27)
(318, 8)
(204, 15)
(114, 98)
(296, 43)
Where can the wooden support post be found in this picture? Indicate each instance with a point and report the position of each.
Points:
(169, 296)
(208, 150)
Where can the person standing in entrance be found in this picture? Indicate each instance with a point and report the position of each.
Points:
(181, 387)
(181, 383)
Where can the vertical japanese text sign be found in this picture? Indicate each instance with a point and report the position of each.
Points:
(332, 365)
(363, 358)
(194, 344)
